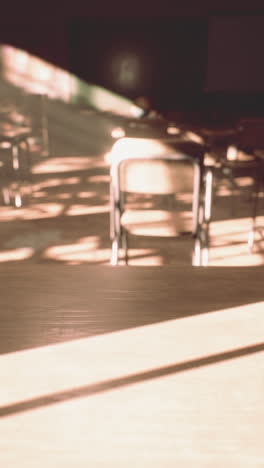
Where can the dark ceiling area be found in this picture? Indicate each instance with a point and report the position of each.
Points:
(161, 58)
(183, 62)
(179, 56)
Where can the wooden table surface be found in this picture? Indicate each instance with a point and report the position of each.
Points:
(131, 366)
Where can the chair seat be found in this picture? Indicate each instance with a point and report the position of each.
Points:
(157, 222)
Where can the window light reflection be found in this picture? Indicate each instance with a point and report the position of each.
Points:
(36, 75)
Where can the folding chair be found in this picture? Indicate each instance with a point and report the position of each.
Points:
(159, 155)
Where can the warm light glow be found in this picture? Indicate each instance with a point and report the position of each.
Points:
(125, 70)
(77, 254)
(37, 76)
(118, 132)
(108, 101)
(64, 164)
(145, 147)
(84, 250)
(173, 130)
(77, 210)
(102, 178)
(87, 194)
(54, 182)
(223, 229)
(107, 158)
(64, 196)
(66, 83)
(36, 211)
(136, 111)
(232, 153)
(188, 135)
(16, 254)
(10, 55)
(5, 145)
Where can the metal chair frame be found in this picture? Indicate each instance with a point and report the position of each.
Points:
(117, 232)
(18, 134)
(17, 140)
(214, 172)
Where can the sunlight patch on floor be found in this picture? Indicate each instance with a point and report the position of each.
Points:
(16, 254)
(36, 211)
(85, 250)
(101, 178)
(62, 164)
(77, 210)
(130, 351)
(51, 182)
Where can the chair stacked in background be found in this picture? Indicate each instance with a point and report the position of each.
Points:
(23, 132)
(231, 155)
(250, 148)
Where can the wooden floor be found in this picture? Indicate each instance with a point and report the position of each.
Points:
(147, 366)
(157, 364)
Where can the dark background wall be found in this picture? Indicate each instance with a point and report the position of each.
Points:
(177, 55)
(235, 53)
(161, 58)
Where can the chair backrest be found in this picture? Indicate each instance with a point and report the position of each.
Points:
(156, 177)
(151, 166)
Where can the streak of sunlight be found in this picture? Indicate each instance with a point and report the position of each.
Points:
(36, 211)
(16, 254)
(53, 165)
(98, 358)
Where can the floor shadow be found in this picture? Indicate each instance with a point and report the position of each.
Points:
(113, 384)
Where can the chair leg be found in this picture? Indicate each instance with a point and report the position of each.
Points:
(16, 167)
(208, 195)
(205, 216)
(115, 252)
(196, 258)
(15, 156)
(252, 233)
(124, 242)
(22, 169)
(201, 247)
(6, 196)
(27, 159)
(205, 247)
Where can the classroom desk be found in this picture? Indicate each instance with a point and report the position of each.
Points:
(131, 366)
